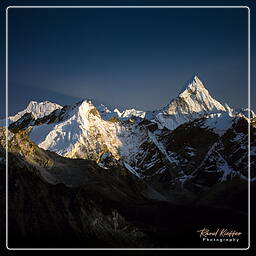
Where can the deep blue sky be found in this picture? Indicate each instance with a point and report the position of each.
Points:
(125, 58)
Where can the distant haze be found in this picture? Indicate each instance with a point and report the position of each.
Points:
(125, 58)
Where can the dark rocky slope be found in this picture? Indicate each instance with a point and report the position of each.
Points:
(95, 207)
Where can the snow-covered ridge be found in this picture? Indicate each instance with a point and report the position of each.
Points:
(37, 109)
(128, 113)
(246, 112)
(219, 122)
(124, 115)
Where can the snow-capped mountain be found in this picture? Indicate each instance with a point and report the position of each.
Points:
(141, 142)
(83, 133)
(194, 101)
(37, 109)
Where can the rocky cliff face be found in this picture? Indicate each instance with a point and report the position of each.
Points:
(53, 196)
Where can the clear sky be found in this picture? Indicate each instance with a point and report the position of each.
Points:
(125, 58)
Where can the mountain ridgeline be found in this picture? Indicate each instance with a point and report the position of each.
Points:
(109, 172)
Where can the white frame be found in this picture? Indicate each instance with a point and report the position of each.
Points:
(249, 169)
